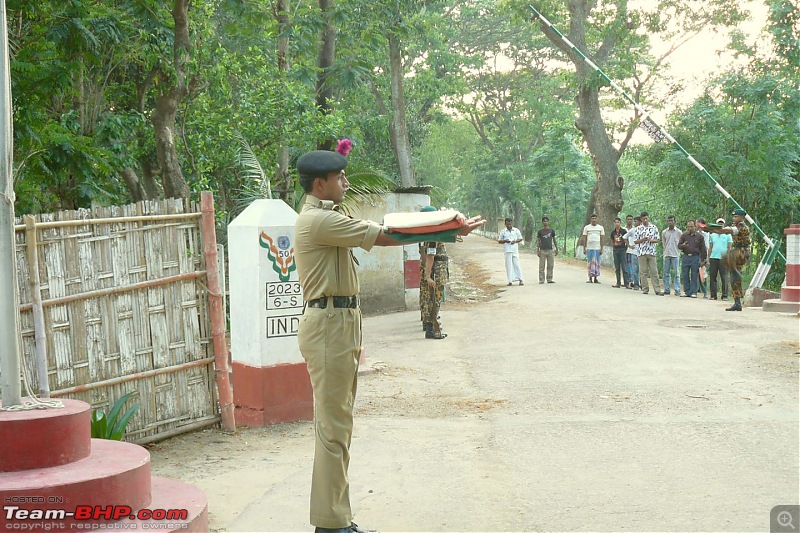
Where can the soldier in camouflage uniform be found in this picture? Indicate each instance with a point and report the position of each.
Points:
(433, 276)
(738, 256)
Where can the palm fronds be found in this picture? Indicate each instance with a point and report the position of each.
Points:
(252, 167)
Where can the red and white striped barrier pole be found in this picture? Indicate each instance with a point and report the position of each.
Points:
(790, 292)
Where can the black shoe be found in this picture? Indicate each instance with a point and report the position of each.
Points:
(520, 282)
(432, 335)
(550, 281)
(713, 298)
(352, 528)
(541, 283)
(508, 285)
(734, 307)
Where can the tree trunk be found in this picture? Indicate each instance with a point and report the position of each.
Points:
(149, 181)
(163, 119)
(163, 116)
(134, 185)
(606, 201)
(327, 53)
(398, 125)
(283, 178)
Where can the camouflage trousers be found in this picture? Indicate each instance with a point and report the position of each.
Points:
(431, 299)
(734, 261)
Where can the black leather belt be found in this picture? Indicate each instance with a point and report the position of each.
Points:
(350, 302)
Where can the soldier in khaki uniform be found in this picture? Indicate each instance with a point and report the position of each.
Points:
(329, 335)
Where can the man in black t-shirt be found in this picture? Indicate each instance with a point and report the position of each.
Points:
(546, 249)
(620, 248)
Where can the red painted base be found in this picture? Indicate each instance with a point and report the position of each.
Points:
(42, 438)
(271, 394)
(50, 465)
(411, 274)
(115, 473)
(790, 294)
(169, 494)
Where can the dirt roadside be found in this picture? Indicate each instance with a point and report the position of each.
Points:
(565, 407)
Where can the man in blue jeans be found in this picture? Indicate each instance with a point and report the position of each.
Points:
(669, 240)
(693, 246)
(632, 253)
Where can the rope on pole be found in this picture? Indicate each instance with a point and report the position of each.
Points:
(653, 127)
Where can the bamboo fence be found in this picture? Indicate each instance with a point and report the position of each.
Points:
(115, 299)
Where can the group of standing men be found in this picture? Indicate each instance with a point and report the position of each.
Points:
(721, 248)
(546, 249)
(703, 251)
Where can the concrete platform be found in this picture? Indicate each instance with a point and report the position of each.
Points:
(781, 306)
(115, 473)
(171, 495)
(63, 435)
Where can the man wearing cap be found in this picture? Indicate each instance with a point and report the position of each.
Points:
(738, 256)
(329, 334)
(718, 245)
(434, 273)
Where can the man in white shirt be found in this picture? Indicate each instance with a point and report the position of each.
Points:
(510, 238)
(593, 240)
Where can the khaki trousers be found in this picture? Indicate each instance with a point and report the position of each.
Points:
(648, 267)
(330, 341)
(546, 259)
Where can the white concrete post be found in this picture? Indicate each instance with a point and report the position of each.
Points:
(271, 383)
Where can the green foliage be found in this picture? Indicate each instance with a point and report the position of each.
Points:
(489, 103)
(112, 426)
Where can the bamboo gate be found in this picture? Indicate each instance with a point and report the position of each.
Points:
(116, 299)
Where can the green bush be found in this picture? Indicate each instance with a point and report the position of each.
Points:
(112, 427)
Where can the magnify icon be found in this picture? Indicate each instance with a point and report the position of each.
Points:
(785, 519)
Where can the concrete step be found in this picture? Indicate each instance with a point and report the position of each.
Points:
(175, 498)
(44, 438)
(114, 473)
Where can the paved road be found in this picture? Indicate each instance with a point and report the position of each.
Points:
(564, 407)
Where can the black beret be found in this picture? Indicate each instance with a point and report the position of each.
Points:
(320, 163)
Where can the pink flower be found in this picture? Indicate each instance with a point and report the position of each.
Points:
(344, 146)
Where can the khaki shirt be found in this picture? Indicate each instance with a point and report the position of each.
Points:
(322, 238)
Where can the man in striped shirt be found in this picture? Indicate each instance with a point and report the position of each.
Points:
(647, 237)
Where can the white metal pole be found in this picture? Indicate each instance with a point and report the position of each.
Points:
(9, 300)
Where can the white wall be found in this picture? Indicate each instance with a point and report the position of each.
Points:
(381, 270)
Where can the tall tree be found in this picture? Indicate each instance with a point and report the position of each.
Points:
(175, 84)
(609, 34)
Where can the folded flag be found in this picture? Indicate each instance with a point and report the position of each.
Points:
(452, 224)
(439, 236)
(439, 226)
